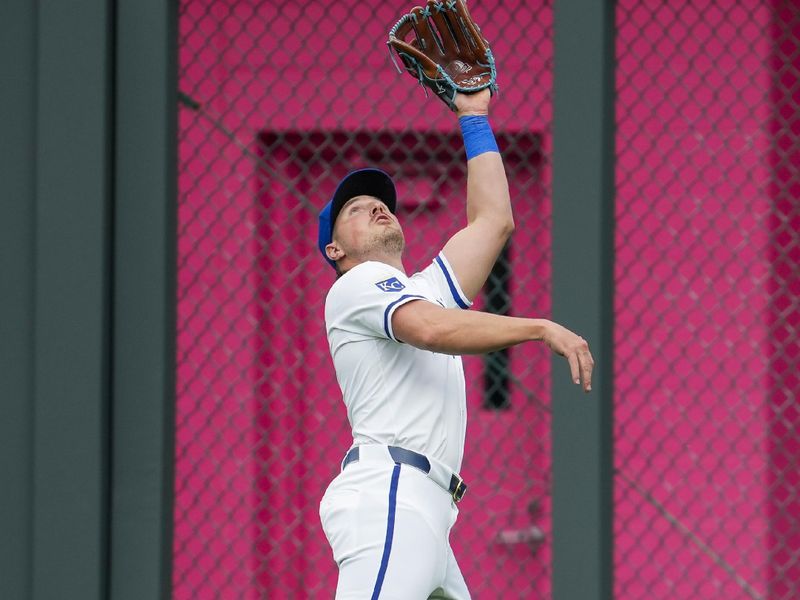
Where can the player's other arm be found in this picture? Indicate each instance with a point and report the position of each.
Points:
(453, 331)
(473, 250)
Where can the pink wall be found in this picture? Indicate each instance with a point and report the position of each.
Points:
(783, 347)
(700, 275)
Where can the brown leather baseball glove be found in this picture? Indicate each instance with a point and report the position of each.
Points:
(443, 48)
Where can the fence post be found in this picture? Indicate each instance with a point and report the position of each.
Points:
(18, 22)
(144, 299)
(70, 384)
(583, 227)
(54, 298)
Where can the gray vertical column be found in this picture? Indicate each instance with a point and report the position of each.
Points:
(583, 211)
(71, 305)
(144, 299)
(17, 224)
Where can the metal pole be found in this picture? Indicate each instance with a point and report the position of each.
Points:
(71, 301)
(583, 219)
(144, 299)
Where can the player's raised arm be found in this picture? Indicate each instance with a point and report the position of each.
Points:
(473, 250)
(443, 48)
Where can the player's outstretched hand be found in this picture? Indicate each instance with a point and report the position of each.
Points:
(575, 349)
(473, 104)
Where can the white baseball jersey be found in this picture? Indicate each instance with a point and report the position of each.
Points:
(397, 394)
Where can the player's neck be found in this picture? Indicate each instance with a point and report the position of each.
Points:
(397, 264)
(392, 260)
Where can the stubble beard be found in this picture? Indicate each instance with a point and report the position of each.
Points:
(388, 241)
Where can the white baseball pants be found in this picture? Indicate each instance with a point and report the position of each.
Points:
(388, 526)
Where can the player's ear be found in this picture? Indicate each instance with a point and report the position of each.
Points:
(334, 252)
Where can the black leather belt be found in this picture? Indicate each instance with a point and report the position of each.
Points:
(456, 488)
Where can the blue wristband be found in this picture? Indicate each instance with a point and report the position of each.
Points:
(478, 136)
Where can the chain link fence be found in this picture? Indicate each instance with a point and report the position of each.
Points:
(278, 101)
(707, 248)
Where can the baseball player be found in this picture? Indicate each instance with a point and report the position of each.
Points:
(396, 342)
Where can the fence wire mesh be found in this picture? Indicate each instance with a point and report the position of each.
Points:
(706, 342)
(278, 101)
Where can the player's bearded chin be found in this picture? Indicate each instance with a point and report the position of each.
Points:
(390, 241)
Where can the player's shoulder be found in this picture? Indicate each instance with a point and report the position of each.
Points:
(367, 277)
(439, 276)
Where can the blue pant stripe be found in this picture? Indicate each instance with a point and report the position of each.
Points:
(387, 545)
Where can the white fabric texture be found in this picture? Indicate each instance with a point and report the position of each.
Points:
(396, 394)
(420, 564)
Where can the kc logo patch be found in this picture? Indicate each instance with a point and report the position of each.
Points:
(390, 285)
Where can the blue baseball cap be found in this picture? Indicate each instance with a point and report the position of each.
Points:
(363, 182)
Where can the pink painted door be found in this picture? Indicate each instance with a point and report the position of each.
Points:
(501, 538)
